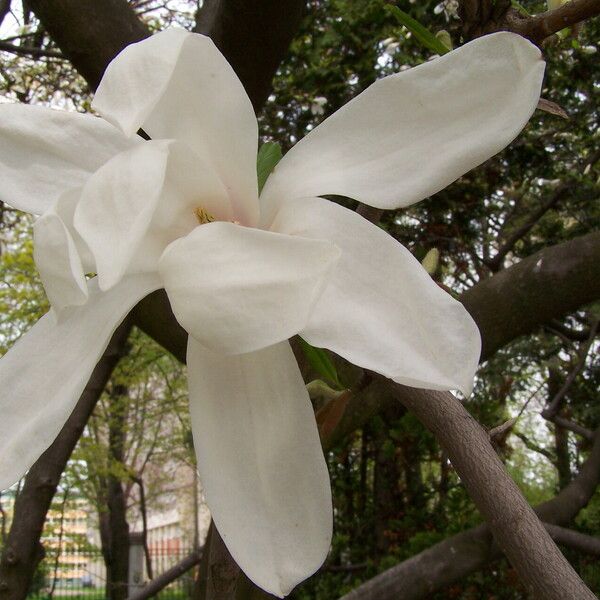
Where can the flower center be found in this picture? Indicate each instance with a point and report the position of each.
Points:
(203, 216)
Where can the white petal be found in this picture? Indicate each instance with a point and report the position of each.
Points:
(411, 134)
(142, 200)
(58, 262)
(65, 209)
(44, 152)
(261, 463)
(381, 310)
(45, 372)
(178, 85)
(238, 289)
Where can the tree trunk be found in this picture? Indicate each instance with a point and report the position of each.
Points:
(118, 528)
(561, 435)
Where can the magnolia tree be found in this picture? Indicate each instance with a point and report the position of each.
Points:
(160, 190)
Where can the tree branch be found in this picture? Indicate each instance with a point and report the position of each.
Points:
(495, 262)
(554, 404)
(571, 426)
(90, 33)
(30, 51)
(542, 26)
(254, 36)
(152, 588)
(480, 17)
(574, 539)
(546, 285)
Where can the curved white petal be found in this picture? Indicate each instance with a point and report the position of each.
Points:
(381, 310)
(45, 372)
(261, 463)
(178, 85)
(411, 134)
(238, 289)
(65, 208)
(58, 262)
(44, 152)
(142, 200)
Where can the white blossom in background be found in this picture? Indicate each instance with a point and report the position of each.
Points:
(390, 45)
(244, 273)
(318, 105)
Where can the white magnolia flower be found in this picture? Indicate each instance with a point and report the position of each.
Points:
(244, 273)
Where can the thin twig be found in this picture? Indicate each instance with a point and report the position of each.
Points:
(554, 404)
(162, 581)
(533, 446)
(495, 263)
(30, 51)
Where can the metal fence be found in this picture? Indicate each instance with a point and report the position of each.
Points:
(80, 573)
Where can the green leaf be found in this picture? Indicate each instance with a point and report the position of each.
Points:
(421, 33)
(268, 156)
(520, 8)
(321, 363)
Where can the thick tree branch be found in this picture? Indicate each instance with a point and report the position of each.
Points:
(90, 33)
(480, 17)
(574, 539)
(546, 285)
(254, 35)
(571, 426)
(23, 551)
